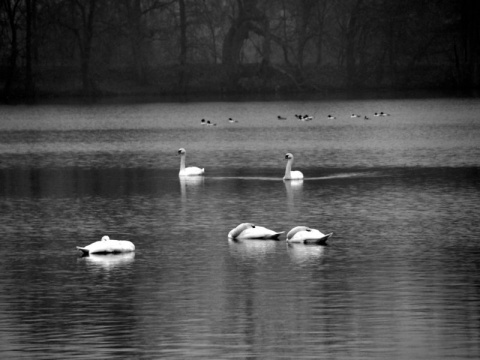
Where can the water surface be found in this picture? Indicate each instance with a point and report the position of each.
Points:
(399, 278)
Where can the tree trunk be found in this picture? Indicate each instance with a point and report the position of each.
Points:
(470, 66)
(350, 56)
(11, 9)
(30, 13)
(235, 37)
(182, 80)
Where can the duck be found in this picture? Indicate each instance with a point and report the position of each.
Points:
(107, 246)
(306, 235)
(209, 123)
(366, 118)
(252, 231)
(376, 114)
(354, 116)
(188, 171)
(289, 173)
(384, 114)
(232, 121)
(331, 117)
(203, 122)
(281, 117)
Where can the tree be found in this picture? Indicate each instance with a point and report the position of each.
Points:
(10, 11)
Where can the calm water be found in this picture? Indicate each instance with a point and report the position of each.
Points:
(399, 279)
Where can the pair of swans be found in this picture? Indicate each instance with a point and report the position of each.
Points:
(299, 234)
(107, 246)
(196, 171)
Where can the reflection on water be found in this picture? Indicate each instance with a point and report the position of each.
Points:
(398, 280)
(303, 254)
(251, 249)
(109, 262)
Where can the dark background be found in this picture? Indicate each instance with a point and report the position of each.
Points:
(169, 47)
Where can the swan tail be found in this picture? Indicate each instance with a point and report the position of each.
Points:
(84, 251)
(275, 236)
(320, 241)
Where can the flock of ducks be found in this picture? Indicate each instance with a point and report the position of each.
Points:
(299, 117)
(299, 234)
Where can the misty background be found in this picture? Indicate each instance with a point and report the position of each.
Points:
(171, 47)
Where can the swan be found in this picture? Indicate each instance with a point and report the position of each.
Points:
(251, 231)
(289, 174)
(306, 235)
(188, 171)
(106, 246)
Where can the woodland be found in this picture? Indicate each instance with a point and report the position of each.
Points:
(168, 47)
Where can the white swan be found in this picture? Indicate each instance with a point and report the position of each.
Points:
(188, 171)
(251, 231)
(289, 174)
(106, 246)
(306, 235)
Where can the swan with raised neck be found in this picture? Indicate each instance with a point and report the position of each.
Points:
(190, 170)
(289, 173)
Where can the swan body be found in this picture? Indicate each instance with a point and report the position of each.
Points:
(306, 235)
(188, 171)
(107, 246)
(251, 231)
(289, 173)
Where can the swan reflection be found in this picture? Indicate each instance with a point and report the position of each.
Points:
(294, 189)
(300, 253)
(251, 249)
(110, 261)
(189, 183)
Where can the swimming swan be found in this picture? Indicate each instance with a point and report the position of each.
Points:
(251, 231)
(107, 246)
(188, 171)
(306, 235)
(289, 174)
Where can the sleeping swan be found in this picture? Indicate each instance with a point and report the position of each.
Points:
(251, 231)
(188, 171)
(306, 235)
(107, 246)
(289, 174)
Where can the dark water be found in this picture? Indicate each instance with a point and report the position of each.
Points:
(399, 278)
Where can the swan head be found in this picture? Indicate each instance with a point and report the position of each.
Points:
(182, 151)
(288, 156)
(105, 238)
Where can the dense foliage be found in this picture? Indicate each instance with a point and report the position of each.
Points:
(98, 47)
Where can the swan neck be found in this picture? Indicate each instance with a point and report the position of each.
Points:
(288, 169)
(182, 162)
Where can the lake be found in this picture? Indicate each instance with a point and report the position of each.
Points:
(399, 278)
